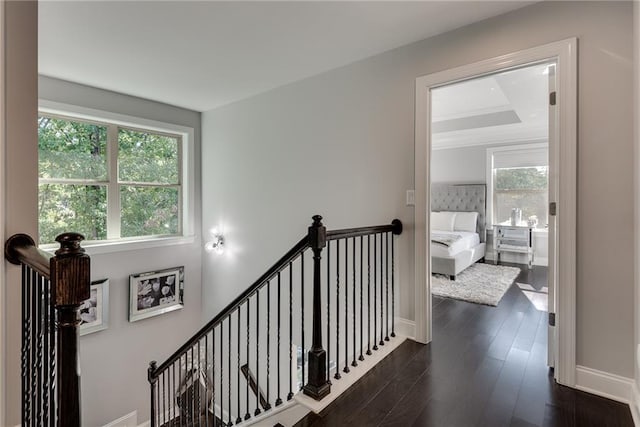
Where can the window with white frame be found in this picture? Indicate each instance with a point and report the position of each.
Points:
(108, 181)
(517, 177)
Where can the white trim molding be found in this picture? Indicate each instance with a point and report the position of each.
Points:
(406, 327)
(634, 404)
(605, 384)
(564, 53)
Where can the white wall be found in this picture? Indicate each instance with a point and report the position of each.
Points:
(114, 362)
(341, 144)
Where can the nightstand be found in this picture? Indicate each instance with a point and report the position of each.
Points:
(514, 239)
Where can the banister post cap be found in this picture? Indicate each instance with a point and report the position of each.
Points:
(397, 226)
(153, 365)
(69, 244)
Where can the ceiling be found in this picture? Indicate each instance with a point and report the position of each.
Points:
(510, 106)
(202, 55)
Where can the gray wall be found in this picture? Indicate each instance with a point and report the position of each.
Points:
(114, 362)
(341, 144)
(459, 165)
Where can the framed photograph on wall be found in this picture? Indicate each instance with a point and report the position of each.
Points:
(155, 292)
(94, 312)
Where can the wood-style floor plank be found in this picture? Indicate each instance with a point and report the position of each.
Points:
(486, 366)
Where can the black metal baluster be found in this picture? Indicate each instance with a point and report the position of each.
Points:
(164, 397)
(381, 298)
(34, 348)
(353, 312)
(386, 281)
(361, 357)
(375, 291)
(221, 376)
(52, 359)
(290, 395)
(238, 418)
(197, 380)
(213, 375)
(183, 407)
(268, 406)
(40, 335)
(247, 415)
(46, 384)
(229, 420)
(346, 369)
(369, 295)
(329, 311)
(193, 403)
(278, 399)
(393, 289)
(257, 411)
(337, 374)
(26, 318)
(302, 311)
(174, 388)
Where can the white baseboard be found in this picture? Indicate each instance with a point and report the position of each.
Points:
(129, 420)
(357, 372)
(634, 405)
(604, 384)
(406, 327)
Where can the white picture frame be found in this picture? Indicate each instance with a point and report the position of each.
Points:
(155, 292)
(94, 312)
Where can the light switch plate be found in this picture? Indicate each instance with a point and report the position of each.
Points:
(411, 198)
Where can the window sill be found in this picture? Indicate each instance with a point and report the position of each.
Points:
(113, 246)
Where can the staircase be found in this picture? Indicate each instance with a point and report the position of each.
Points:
(324, 308)
(332, 295)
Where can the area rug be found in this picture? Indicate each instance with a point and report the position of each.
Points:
(480, 283)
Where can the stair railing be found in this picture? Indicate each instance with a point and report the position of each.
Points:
(53, 288)
(245, 360)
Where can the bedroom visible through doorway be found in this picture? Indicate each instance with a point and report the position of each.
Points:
(492, 236)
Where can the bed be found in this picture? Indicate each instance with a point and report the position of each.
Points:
(457, 241)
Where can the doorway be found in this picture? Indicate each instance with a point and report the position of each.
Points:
(562, 178)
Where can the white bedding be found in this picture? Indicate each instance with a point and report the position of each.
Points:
(467, 240)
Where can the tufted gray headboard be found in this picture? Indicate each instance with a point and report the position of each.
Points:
(461, 198)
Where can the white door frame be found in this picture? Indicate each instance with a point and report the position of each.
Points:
(565, 54)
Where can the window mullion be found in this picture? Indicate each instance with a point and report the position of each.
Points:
(113, 192)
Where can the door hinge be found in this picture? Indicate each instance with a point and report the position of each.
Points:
(552, 208)
(552, 98)
(552, 319)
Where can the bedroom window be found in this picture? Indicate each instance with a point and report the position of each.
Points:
(108, 181)
(518, 178)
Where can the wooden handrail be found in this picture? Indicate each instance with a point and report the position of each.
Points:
(21, 249)
(289, 256)
(69, 278)
(317, 363)
(395, 227)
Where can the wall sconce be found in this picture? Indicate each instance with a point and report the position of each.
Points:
(216, 244)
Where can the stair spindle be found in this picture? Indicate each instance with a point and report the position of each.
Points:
(353, 299)
(361, 357)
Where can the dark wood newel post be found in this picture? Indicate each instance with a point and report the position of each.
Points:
(318, 385)
(70, 282)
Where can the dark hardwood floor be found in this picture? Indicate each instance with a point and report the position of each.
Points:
(486, 366)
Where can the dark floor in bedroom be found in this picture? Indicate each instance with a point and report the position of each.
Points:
(486, 366)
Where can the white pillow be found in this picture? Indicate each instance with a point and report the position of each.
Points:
(442, 221)
(465, 221)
